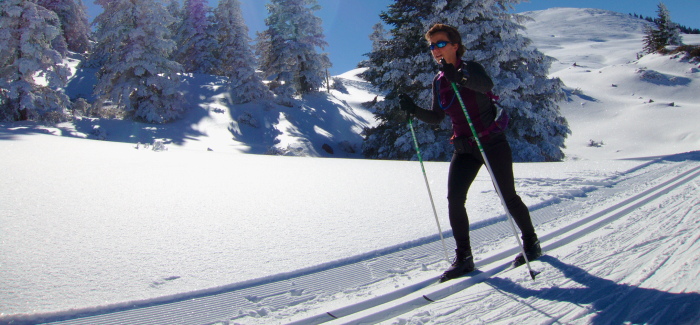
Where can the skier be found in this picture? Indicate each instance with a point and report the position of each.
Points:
(474, 86)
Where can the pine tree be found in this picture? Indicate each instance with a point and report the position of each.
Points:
(287, 48)
(194, 44)
(490, 35)
(175, 11)
(173, 8)
(109, 31)
(234, 54)
(669, 31)
(666, 32)
(31, 71)
(652, 40)
(138, 76)
(401, 64)
(58, 43)
(75, 28)
(379, 39)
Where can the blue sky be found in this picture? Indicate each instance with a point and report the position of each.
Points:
(347, 23)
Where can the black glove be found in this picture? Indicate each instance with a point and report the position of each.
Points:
(452, 74)
(407, 104)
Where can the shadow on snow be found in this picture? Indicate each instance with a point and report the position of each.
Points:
(318, 125)
(611, 302)
(316, 121)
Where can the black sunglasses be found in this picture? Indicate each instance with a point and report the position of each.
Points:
(439, 45)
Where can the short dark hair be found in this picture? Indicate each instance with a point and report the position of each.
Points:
(452, 35)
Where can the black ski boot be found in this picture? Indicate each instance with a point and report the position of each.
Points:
(463, 264)
(532, 251)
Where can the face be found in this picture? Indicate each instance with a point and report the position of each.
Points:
(449, 52)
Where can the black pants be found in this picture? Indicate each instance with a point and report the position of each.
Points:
(463, 170)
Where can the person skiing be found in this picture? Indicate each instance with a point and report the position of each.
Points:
(474, 84)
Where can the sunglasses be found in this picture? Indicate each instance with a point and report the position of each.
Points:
(439, 45)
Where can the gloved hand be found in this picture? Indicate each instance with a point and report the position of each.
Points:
(452, 74)
(407, 104)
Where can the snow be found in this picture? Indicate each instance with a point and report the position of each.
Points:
(610, 90)
(92, 226)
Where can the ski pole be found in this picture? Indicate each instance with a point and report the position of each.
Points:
(493, 178)
(430, 194)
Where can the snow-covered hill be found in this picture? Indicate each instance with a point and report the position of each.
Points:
(333, 119)
(96, 228)
(593, 38)
(618, 106)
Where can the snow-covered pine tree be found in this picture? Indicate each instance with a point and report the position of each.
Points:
(490, 35)
(137, 75)
(31, 71)
(74, 23)
(651, 41)
(666, 32)
(108, 32)
(288, 48)
(234, 54)
(175, 11)
(194, 44)
(59, 42)
(379, 38)
(77, 27)
(669, 30)
(401, 63)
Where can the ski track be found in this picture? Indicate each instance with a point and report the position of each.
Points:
(615, 277)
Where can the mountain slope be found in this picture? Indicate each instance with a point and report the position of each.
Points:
(618, 106)
(593, 38)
